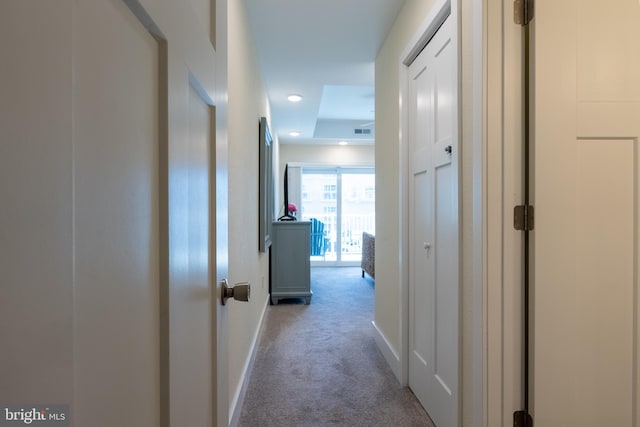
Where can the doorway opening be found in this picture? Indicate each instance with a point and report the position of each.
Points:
(340, 203)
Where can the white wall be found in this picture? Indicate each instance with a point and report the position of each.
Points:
(247, 103)
(348, 155)
(327, 154)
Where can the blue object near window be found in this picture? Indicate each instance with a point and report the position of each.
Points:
(319, 241)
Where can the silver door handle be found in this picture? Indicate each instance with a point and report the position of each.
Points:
(239, 292)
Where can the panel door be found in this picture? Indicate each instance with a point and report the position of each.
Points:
(88, 316)
(36, 238)
(116, 217)
(192, 297)
(80, 211)
(585, 242)
(433, 229)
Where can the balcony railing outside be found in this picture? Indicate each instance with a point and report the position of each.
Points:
(350, 235)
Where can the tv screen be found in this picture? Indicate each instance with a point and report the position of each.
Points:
(286, 216)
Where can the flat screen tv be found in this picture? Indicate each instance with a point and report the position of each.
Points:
(286, 216)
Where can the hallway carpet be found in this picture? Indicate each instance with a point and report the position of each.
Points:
(318, 364)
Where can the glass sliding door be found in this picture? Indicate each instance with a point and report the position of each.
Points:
(357, 213)
(340, 203)
(320, 205)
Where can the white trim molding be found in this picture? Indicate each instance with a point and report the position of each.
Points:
(235, 408)
(503, 245)
(387, 350)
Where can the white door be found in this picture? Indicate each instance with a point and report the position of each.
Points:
(191, 295)
(79, 245)
(116, 216)
(586, 193)
(109, 261)
(433, 229)
(219, 256)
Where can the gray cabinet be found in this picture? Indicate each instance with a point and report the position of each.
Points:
(290, 265)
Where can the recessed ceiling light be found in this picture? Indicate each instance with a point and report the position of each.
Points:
(294, 133)
(343, 143)
(294, 97)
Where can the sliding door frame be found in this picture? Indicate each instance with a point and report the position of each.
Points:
(339, 170)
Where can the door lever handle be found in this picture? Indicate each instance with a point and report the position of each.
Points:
(239, 292)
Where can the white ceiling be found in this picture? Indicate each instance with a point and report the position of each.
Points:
(323, 50)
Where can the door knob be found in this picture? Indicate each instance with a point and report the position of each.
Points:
(239, 292)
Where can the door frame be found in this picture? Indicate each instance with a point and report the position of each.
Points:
(441, 10)
(435, 190)
(340, 170)
(504, 169)
(491, 178)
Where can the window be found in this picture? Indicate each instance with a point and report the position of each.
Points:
(370, 193)
(330, 192)
(343, 200)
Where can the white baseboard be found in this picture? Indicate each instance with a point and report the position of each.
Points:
(389, 354)
(238, 398)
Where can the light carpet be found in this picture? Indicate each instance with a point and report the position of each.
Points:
(318, 364)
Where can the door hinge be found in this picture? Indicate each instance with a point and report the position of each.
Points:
(522, 419)
(522, 11)
(523, 217)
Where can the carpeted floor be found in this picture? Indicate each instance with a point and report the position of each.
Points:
(318, 364)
